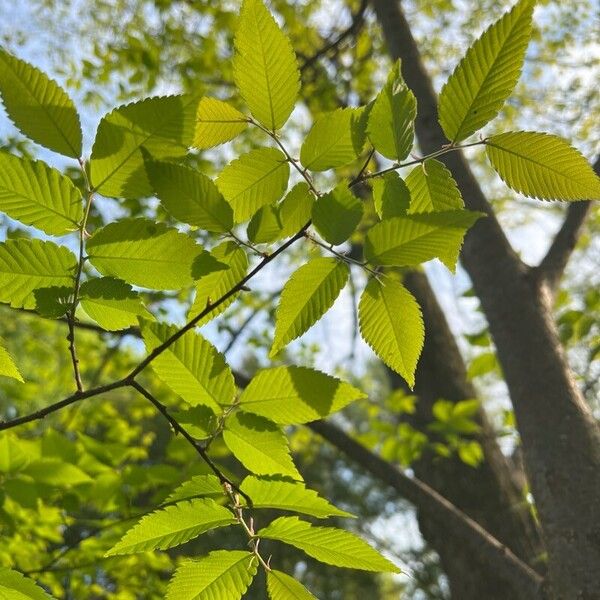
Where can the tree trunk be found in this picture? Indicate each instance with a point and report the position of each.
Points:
(560, 439)
(487, 493)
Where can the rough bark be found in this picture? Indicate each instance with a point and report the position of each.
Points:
(560, 438)
(488, 494)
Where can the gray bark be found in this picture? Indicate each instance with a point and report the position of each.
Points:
(560, 438)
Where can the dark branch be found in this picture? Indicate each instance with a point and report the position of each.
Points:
(356, 23)
(527, 583)
(553, 265)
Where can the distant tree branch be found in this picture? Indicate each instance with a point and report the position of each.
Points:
(356, 22)
(553, 265)
(527, 583)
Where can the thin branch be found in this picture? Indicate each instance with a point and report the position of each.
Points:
(527, 581)
(357, 20)
(554, 263)
(178, 428)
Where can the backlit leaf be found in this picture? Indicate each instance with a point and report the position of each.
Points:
(306, 297)
(216, 123)
(283, 587)
(264, 66)
(259, 445)
(432, 188)
(254, 179)
(391, 196)
(38, 106)
(15, 586)
(191, 366)
(28, 265)
(337, 214)
(8, 368)
(486, 76)
(542, 166)
(35, 194)
(328, 545)
(294, 395)
(391, 323)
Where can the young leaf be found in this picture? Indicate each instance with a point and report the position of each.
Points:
(259, 445)
(14, 586)
(112, 303)
(542, 166)
(265, 225)
(190, 196)
(329, 545)
(337, 214)
(35, 194)
(294, 496)
(264, 66)
(391, 118)
(28, 265)
(200, 485)
(486, 76)
(199, 421)
(8, 368)
(221, 575)
(306, 297)
(390, 196)
(283, 587)
(162, 126)
(432, 188)
(212, 286)
(391, 323)
(191, 366)
(295, 209)
(55, 472)
(333, 141)
(53, 302)
(142, 252)
(295, 395)
(172, 526)
(413, 239)
(254, 179)
(38, 106)
(216, 123)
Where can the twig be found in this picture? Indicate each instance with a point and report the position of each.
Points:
(225, 481)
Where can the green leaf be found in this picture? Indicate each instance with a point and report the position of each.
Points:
(162, 126)
(38, 106)
(145, 253)
(414, 239)
(200, 485)
(13, 455)
(216, 123)
(333, 141)
(35, 194)
(295, 395)
(190, 196)
(391, 118)
(328, 545)
(8, 368)
(172, 526)
(211, 287)
(432, 188)
(254, 179)
(283, 587)
(486, 76)
(288, 495)
(337, 214)
(265, 225)
(295, 209)
(306, 297)
(53, 302)
(259, 445)
(55, 472)
(221, 575)
(542, 166)
(112, 303)
(265, 69)
(190, 366)
(391, 196)
(391, 323)
(27, 265)
(14, 586)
